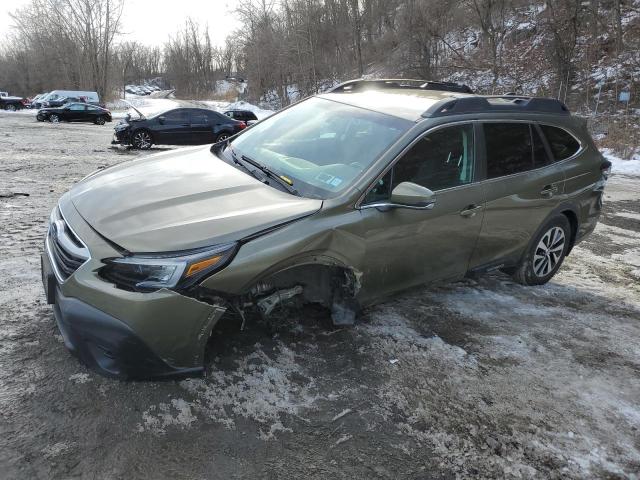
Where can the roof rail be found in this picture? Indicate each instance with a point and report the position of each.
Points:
(496, 103)
(363, 84)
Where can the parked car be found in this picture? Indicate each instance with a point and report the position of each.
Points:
(340, 199)
(36, 102)
(75, 112)
(12, 104)
(177, 126)
(243, 115)
(33, 99)
(64, 100)
(52, 98)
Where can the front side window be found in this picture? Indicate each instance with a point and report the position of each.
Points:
(441, 159)
(562, 143)
(322, 145)
(76, 106)
(176, 117)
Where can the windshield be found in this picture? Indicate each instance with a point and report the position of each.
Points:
(319, 144)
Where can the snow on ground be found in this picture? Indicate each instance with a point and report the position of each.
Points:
(620, 165)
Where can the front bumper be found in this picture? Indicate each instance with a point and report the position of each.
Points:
(124, 334)
(121, 137)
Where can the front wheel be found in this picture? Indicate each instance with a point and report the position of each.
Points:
(142, 140)
(222, 137)
(546, 253)
(99, 121)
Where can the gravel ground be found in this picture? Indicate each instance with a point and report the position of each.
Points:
(481, 379)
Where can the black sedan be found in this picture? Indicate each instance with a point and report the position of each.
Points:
(75, 112)
(178, 126)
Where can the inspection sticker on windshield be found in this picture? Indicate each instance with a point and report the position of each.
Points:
(329, 179)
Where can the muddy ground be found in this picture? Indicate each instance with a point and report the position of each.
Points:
(479, 379)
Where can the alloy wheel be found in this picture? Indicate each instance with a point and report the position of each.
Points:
(54, 119)
(222, 137)
(11, 108)
(142, 140)
(549, 251)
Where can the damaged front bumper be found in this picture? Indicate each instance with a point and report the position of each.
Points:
(120, 333)
(121, 137)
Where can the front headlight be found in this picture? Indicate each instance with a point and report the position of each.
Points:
(170, 270)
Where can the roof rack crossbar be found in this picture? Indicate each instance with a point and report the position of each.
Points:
(408, 83)
(496, 103)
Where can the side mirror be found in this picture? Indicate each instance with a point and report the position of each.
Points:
(410, 195)
(161, 120)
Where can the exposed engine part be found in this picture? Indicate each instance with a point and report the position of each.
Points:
(268, 303)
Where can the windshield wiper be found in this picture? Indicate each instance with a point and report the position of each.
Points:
(269, 173)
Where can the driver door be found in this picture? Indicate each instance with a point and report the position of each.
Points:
(173, 128)
(407, 246)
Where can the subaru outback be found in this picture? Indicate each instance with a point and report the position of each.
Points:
(341, 200)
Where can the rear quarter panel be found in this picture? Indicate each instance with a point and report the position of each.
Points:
(583, 178)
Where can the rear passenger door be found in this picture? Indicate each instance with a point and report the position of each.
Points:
(202, 123)
(522, 188)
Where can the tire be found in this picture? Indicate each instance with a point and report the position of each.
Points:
(40, 118)
(546, 253)
(99, 120)
(141, 139)
(53, 118)
(222, 137)
(11, 107)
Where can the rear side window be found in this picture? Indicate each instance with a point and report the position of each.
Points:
(513, 148)
(540, 157)
(198, 117)
(561, 142)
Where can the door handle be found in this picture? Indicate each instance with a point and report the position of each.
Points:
(549, 190)
(471, 210)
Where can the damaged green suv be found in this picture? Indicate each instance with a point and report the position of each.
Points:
(341, 199)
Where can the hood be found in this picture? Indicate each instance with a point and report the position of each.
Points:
(182, 199)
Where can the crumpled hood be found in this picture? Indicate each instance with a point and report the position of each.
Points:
(182, 199)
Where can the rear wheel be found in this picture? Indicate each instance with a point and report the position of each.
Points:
(99, 121)
(53, 118)
(11, 107)
(142, 140)
(546, 253)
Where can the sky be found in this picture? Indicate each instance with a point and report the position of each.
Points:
(153, 21)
